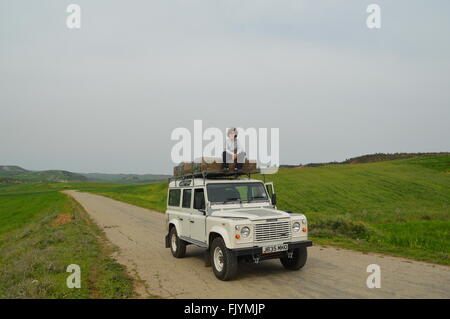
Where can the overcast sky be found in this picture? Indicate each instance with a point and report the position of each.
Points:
(106, 97)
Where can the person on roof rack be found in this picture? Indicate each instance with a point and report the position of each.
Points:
(233, 151)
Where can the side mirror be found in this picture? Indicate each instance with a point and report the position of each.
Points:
(274, 199)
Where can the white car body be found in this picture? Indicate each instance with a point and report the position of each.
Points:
(268, 226)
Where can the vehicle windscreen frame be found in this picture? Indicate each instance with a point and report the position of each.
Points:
(220, 199)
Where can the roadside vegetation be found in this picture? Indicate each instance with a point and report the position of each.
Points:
(42, 231)
(399, 207)
(151, 196)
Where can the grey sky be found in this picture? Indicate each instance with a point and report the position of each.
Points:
(105, 98)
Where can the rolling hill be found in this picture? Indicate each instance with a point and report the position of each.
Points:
(16, 174)
(10, 174)
(123, 178)
(371, 158)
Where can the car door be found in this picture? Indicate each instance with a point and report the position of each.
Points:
(184, 215)
(174, 208)
(198, 216)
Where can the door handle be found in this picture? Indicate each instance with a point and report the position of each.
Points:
(180, 218)
(192, 221)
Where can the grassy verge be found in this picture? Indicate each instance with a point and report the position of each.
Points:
(151, 196)
(398, 207)
(42, 232)
(421, 240)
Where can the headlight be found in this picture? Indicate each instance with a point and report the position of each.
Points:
(304, 221)
(245, 232)
(296, 227)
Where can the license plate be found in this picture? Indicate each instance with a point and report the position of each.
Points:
(274, 248)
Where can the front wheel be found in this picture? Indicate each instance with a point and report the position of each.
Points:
(177, 245)
(224, 263)
(297, 261)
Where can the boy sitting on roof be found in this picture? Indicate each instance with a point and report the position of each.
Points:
(233, 151)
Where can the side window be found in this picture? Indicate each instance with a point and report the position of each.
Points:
(187, 198)
(199, 198)
(174, 197)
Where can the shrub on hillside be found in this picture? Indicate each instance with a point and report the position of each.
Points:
(339, 226)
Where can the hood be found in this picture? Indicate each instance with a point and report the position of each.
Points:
(251, 213)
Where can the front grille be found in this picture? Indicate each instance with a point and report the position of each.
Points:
(272, 231)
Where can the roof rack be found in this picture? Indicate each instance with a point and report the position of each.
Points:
(214, 175)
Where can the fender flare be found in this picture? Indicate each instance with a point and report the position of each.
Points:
(177, 226)
(176, 223)
(222, 232)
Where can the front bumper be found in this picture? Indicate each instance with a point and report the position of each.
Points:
(257, 251)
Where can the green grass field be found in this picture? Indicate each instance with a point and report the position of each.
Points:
(399, 207)
(395, 207)
(42, 231)
(152, 196)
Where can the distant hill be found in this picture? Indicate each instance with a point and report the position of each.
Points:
(11, 169)
(10, 174)
(16, 174)
(123, 178)
(371, 158)
(289, 166)
(381, 157)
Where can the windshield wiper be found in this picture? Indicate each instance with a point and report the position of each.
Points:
(231, 200)
(259, 198)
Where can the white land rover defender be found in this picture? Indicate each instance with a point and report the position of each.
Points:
(235, 219)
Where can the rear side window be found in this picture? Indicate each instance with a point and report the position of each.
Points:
(174, 197)
(187, 198)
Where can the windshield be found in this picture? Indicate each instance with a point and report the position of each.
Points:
(236, 192)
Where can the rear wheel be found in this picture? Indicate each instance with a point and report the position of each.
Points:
(224, 263)
(177, 245)
(298, 260)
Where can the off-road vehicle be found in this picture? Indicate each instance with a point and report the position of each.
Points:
(235, 219)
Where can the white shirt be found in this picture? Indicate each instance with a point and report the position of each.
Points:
(230, 146)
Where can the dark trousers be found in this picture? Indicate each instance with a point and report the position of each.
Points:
(227, 159)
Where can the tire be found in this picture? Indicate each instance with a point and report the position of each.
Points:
(227, 268)
(177, 246)
(298, 260)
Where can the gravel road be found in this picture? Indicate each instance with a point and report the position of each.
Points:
(329, 272)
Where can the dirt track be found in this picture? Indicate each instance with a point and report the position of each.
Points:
(329, 272)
